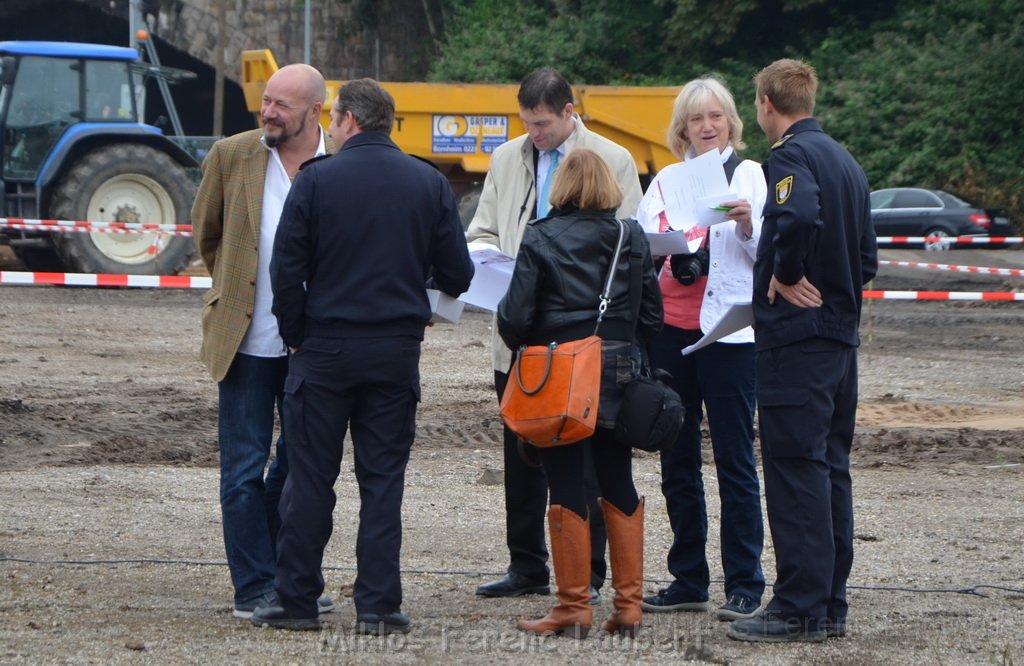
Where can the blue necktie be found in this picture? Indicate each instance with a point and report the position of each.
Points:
(543, 205)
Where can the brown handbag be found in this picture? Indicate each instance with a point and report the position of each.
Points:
(554, 397)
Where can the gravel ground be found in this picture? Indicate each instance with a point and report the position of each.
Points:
(110, 544)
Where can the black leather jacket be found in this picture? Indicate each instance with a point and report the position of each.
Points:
(560, 272)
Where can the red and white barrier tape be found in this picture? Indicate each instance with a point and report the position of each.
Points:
(202, 282)
(953, 240)
(980, 270)
(944, 295)
(106, 280)
(94, 227)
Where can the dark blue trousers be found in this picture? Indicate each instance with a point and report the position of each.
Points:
(807, 404)
(372, 386)
(718, 378)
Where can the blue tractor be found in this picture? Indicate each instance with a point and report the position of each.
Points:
(73, 147)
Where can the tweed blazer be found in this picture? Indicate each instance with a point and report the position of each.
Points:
(226, 228)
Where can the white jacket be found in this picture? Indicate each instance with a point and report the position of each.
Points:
(731, 267)
(508, 200)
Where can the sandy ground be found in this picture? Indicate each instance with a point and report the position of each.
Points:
(110, 545)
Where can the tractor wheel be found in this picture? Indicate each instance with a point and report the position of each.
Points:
(125, 183)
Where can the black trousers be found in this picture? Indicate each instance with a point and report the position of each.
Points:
(372, 386)
(807, 404)
(526, 501)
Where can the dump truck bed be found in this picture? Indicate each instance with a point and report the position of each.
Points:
(458, 125)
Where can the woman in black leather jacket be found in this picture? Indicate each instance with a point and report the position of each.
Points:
(560, 272)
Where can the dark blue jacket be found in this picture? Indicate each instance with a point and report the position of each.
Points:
(817, 223)
(361, 234)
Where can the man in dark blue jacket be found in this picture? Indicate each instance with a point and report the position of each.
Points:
(817, 251)
(362, 235)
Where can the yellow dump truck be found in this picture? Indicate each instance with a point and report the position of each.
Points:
(458, 125)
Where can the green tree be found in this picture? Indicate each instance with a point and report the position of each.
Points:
(590, 41)
(935, 100)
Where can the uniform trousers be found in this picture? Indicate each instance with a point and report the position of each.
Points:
(526, 503)
(807, 404)
(372, 386)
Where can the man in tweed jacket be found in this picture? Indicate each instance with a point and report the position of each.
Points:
(246, 179)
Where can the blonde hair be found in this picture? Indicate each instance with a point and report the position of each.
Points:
(694, 97)
(585, 181)
(791, 85)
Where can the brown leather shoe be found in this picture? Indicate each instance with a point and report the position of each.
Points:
(570, 553)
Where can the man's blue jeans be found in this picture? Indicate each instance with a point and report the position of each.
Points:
(720, 378)
(249, 393)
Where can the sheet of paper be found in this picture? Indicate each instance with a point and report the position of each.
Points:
(492, 277)
(691, 180)
(707, 215)
(444, 308)
(669, 242)
(737, 317)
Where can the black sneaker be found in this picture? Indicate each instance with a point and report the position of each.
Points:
(737, 607)
(374, 624)
(666, 600)
(769, 627)
(276, 617)
(244, 609)
(325, 605)
(595, 595)
(835, 627)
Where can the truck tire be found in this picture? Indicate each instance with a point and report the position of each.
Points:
(125, 183)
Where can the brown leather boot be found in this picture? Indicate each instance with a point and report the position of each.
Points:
(570, 553)
(626, 546)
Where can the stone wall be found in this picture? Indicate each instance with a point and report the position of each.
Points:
(339, 48)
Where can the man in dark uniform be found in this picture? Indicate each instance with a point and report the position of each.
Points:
(362, 235)
(817, 251)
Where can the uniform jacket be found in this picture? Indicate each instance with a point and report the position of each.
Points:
(560, 273)
(361, 235)
(509, 197)
(817, 224)
(226, 227)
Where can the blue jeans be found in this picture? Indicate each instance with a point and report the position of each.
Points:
(248, 395)
(720, 378)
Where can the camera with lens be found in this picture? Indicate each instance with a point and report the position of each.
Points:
(688, 267)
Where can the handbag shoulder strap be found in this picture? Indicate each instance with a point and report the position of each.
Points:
(635, 277)
(605, 296)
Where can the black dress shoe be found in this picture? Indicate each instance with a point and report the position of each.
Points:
(512, 585)
(276, 617)
(769, 627)
(381, 624)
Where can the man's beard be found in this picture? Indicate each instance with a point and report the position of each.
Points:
(284, 136)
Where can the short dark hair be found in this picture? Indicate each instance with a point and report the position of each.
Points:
(372, 107)
(545, 88)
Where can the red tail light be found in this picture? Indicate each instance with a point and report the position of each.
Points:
(981, 219)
